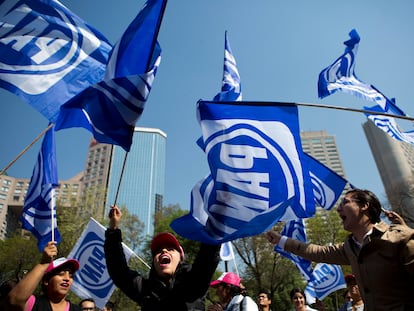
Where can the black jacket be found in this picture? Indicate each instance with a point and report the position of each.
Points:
(42, 303)
(189, 284)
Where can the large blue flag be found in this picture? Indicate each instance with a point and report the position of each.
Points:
(111, 108)
(48, 54)
(231, 86)
(256, 163)
(327, 184)
(39, 210)
(340, 76)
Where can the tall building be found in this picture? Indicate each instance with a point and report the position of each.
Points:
(322, 146)
(395, 164)
(142, 186)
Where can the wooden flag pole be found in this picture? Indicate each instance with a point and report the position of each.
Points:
(120, 177)
(25, 149)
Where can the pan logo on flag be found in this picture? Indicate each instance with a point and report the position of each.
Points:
(247, 165)
(326, 277)
(93, 274)
(41, 46)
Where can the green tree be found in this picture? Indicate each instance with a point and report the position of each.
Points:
(18, 255)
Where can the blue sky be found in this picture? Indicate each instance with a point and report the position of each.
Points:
(280, 48)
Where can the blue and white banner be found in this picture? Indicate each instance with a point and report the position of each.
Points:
(340, 76)
(92, 280)
(231, 86)
(327, 278)
(327, 185)
(389, 125)
(48, 54)
(295, 229)
(111, 108)
(257, 172)
(39, 210)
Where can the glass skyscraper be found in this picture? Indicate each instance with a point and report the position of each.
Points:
(142, 186)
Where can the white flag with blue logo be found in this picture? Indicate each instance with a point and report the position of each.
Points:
(327, 279)
(48, 54)
(92, 280)
(257, 172)
(226, 251)
(111, 108)
(39, 210)
(340, 76)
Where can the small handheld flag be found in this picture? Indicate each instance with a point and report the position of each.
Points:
(39, 210)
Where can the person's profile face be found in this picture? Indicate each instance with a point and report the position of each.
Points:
(350, 212)
(166, 261)
(223, 293)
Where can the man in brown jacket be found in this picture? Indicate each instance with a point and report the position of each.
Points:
(381, 255)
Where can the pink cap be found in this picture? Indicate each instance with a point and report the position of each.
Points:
(228, 278)
(57, 263)
(350, 278)
(165, 239)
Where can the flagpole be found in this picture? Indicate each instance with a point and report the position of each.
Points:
(120, 177)
(25, 149)
(142, 260)
(258, 103)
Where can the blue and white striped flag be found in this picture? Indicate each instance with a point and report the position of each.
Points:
(92, 280)
(48, 54)
(327, 184)
(389, 125)
(231, 86)
(327, 279)
(295, 229)
(39, 210)
(111, 108)
(340, 76)
(256, 163)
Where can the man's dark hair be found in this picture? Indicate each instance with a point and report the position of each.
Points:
(110, 305)
(264, 292)
(86, 299)
(366, 197)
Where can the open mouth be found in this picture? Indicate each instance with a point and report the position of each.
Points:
(165, 259)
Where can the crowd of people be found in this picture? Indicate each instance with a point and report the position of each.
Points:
(381, 257)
